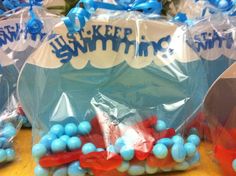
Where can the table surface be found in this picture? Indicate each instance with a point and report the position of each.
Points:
(24, 165)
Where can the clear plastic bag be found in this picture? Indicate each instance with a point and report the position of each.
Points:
(114, 98)
(17, 43)
(9, 124)
(214, 40)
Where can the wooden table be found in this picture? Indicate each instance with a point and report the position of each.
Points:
(24, 165)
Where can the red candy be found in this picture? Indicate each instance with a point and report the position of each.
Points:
(96, 139)
(147, 123)
(164, 134)
(100, 161)
(225, 158)
(60, 159)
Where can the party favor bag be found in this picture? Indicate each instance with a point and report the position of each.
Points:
(113, 98)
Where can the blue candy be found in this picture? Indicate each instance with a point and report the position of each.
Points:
(60, 172)
(190, 149)
(3, 155)
(178, 152)
(47, 140)
(65, 138)
(136, 170)
(74, 143)
(58, 145)
(11, 154)
(194, 160)
(120, 142)
(166, 141)
(100, 150)
(39, 150)
(182, 166)
(39, 171)
(234, 165)
(71, 129)
(74, 169)
(58, 130)
(160, 151)
(151, 170)
(160, 126)
(5, 143)
(123, 167)
(127, 153)
(84, 128)
(88, 148)
(194, 139)
(111, 149)
(9, 131)
(178, 139)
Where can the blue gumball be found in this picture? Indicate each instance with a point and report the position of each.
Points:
(3, 155)
(194, 139)
(178, 152)
(190, 149)
(11, 154)
(39, 150)
(194, 160)
(123, 167)
(151, 170)
(58, 130)
(160, 126)
(127, 153)
(60, 172)
(160, 151)
(74, 143)
(84, 128)
(111, 149)
(5, 143)
(136, 170)
(74, 169)
(100, 150)
(58, 145)
(47, 140)
(71, 129)
(88, 148)
(120, 142)
(39, 171)
(9, 131)
(182, 166)
(178, 139)
(234, 165)
(65, 138)
(166, 141)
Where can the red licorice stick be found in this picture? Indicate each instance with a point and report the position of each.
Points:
(147, 123)
(96, 127)
(162, 163)
(108, 173)
(100, 161)
(59, 159)
(96, 139)
(225, 158)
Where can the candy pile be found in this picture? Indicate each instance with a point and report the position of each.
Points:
(105, 149)
(7, 132)
(22, 118)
